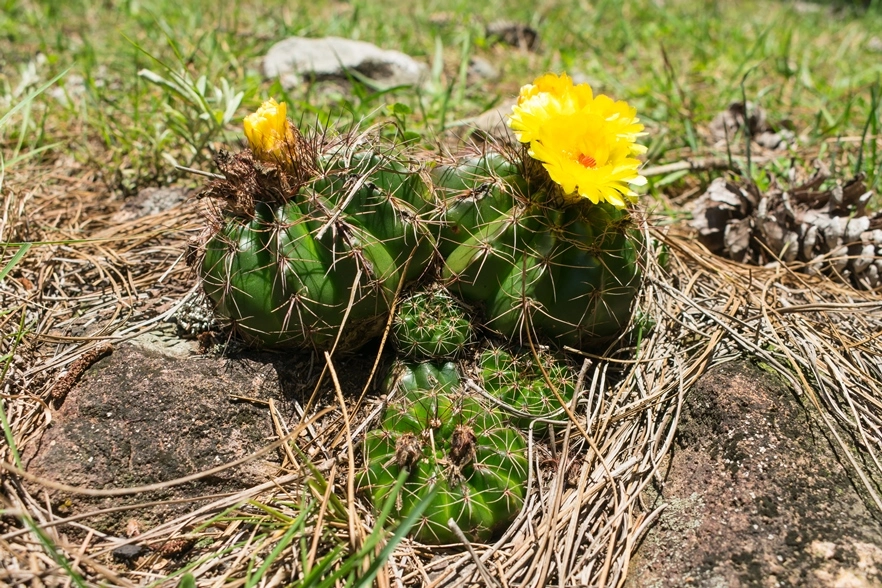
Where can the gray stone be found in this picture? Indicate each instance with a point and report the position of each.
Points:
(128, 552)
(481, 70)
(755, 496)
(297, 59)
(144, 415)
(513, 33)
(151, 201)
(491, 125)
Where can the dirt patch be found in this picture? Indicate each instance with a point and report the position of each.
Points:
(152, 413)
(755, 496)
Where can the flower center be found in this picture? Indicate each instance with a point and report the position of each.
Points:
(587, 160)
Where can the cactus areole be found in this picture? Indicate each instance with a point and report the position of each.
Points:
(567, 270)
(315, 243)
(448, 439)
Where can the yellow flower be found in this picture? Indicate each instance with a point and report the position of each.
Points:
(586, 143)
(269, 133)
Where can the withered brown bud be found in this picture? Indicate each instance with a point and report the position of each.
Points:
(408, 450)
(462, 445)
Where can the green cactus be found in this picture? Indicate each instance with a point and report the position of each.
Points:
(431, 325)
(519, 380)
(331, 234)
(447, 439)
(570, 272)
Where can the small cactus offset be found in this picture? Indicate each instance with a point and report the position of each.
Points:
(523, 380)
(448, 439)
(541, 240)
(315, 233)
(431, 325)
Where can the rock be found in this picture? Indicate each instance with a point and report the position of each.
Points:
(512, 33)
(755, 496)
(141, 416)
(490, 125)
(150, 201)
(481, 70)
(71, 89)
(296, 59)
(129, 552)
(442, 19)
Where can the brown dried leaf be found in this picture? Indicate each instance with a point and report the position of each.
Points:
(724, 127)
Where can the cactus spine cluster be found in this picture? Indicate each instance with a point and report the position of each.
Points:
(316, 238)
(445, 438)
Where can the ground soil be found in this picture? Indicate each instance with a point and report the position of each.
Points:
(156, 411)
(755, 496)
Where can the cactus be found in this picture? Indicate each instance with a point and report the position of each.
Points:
(315, 233)
(448, 439)
(431, 325)
(570, 271)
(520, 381)
(541, 238)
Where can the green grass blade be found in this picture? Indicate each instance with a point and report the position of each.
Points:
(874, 106)
(316, 572)
(402, 530)
(367, 550)
(53, 552)
(31, 153)
(22, 251)
(30, 97)
(283, 543)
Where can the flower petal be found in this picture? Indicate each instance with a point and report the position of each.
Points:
(268, 131)
(585, 142)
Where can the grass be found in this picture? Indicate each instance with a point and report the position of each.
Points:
(154, 83)
(126, 90)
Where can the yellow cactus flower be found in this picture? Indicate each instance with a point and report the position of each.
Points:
(586, 143)
(269, 133)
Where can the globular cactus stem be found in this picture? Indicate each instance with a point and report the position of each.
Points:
(316, 236)
(542, 240)
(449, 440)
(524, 379)
(432, 325)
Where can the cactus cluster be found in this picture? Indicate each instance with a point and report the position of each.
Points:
(318, 236)
(446, 438)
